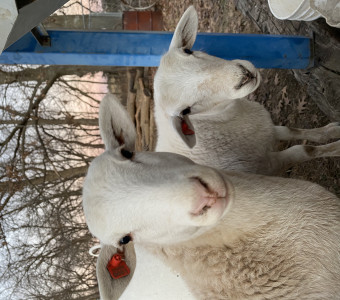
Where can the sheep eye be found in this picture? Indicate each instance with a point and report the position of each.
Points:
(127, 154)
(186, 111)
(125, 240)
(188, 51)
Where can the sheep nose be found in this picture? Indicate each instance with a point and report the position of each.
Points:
(205, 198)
(247, 76)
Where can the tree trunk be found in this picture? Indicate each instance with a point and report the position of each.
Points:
(50, 176)
(43, 122)
(44, 73)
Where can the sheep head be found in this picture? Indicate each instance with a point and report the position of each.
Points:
(191, 82)
(148, 197)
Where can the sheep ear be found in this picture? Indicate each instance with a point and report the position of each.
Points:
(112, 289)
(185, 129)
(186, 30)
(116, 127)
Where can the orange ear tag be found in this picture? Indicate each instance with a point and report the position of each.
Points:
(117, 266)
(185, 129)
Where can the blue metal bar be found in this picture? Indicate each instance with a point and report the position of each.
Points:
(128, 48)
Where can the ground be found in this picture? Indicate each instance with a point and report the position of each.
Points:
(285, 98)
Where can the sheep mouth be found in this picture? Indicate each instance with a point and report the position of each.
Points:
(205, 206)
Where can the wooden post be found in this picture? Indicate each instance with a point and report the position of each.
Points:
(145, 115)
(129, 48)
(138, 144)
(131, 96)
(152, 141)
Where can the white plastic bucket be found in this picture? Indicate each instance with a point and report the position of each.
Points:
(293, 10)
(329, 9)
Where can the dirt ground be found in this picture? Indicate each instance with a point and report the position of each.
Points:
(286, 100)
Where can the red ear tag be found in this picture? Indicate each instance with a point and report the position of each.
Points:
(185, 129)
(117, 266)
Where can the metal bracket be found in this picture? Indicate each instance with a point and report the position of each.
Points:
(41, 35)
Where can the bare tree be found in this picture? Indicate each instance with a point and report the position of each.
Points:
(49, 134)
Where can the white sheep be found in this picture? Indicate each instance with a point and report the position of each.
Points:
(230, 235)
(152, 279)
(200, 112)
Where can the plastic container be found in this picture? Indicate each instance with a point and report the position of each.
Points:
(299, 10)
(307, 10)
